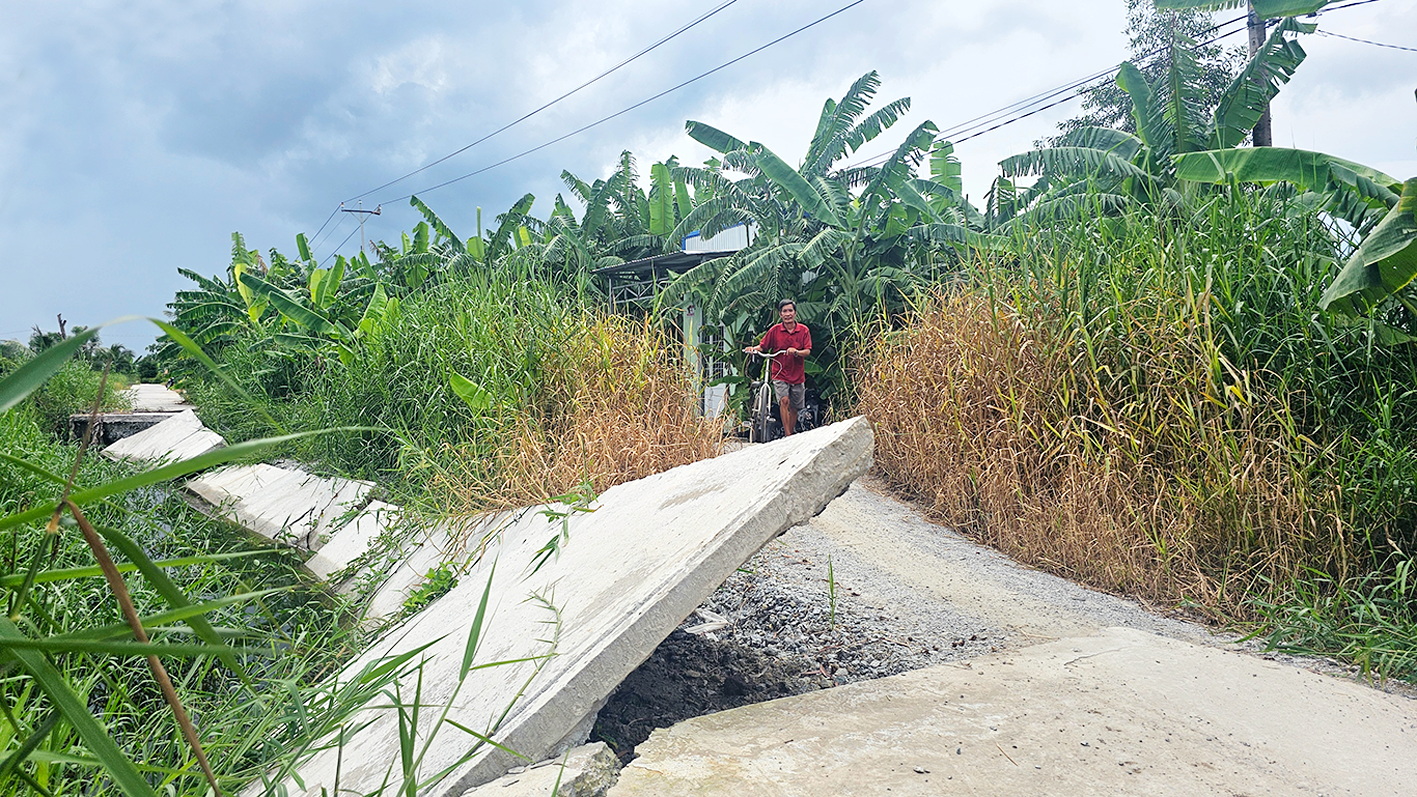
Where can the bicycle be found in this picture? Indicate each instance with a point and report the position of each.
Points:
(764, 425)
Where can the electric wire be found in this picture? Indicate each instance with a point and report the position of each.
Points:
(333, 213)
(314, 242)
(971, 126)
(339, 246)
(637, 105)
(1327, 9)
(1077, 94)
(702, 18)
(1366, 41)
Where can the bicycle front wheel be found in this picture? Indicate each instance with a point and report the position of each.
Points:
(762, 430)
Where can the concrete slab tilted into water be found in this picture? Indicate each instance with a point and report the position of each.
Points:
(627, 574)
(176, 437)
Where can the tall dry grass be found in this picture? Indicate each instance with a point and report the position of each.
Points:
(1148, 466)
(1156, 407)
(618, 404)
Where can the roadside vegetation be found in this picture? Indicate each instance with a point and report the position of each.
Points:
(487, 390)
(236, 628)
(1155, 360)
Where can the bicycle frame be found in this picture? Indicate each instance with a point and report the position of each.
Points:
(763, 425)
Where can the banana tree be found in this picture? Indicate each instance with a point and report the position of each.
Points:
(621, 220)
(1093, 167)
(1260, 11)
(842, 240)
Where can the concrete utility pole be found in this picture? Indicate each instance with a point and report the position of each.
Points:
(364, 214)
(1262, 135)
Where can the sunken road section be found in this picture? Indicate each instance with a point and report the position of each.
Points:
(574, 627)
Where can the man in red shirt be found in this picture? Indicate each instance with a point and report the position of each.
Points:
(789, 376)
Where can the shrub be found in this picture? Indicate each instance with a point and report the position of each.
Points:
(71, 391)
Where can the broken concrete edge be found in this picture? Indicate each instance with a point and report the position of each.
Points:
(178, 436)
(599, 644)
(1115, 711)
(404, 559)
(240, 495)
(379, 569)
(568, 707)
(589, 770)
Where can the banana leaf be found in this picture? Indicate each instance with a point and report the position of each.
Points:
(1385, 263)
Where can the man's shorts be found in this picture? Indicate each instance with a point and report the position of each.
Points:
(797, 392)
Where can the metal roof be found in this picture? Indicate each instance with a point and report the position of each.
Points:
(660, 265)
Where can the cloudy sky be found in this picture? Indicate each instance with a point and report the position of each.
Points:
(136, 137)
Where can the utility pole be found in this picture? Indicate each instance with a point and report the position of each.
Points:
(1263, 134)
(363, 214)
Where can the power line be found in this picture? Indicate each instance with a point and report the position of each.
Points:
(639, 104)
(340, 245)
(1077, 94)
(333, 213)
(314, 242)
(1365, 41)
(1345, 5)
(1078, 83)
(527, 116)
(973, 124)
(1076, 87)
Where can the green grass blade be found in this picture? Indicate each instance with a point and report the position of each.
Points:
(174, 596)
(474, 634)
(487, 740)
(125, 775)
(28, 748)
(171, 616)
(14, 580)
(24, 464)
(56, 645)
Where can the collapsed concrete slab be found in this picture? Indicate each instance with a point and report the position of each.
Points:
(420, 552)
(309, 514)
(285, 506)
(1122, 711)
(560, 635)
(587, 771)
(179, 436)
(226, 487)
(145, 397)
(352, 540)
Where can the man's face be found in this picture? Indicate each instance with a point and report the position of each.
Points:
(788, 312)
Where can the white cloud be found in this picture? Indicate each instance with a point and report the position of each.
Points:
(139, 135)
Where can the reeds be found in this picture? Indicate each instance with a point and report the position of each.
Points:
(1145, 407)
(616, 405)
(575, 394)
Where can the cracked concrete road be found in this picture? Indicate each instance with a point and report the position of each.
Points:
(1084, 693)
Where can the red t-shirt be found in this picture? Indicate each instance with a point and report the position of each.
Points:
(787, 367)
